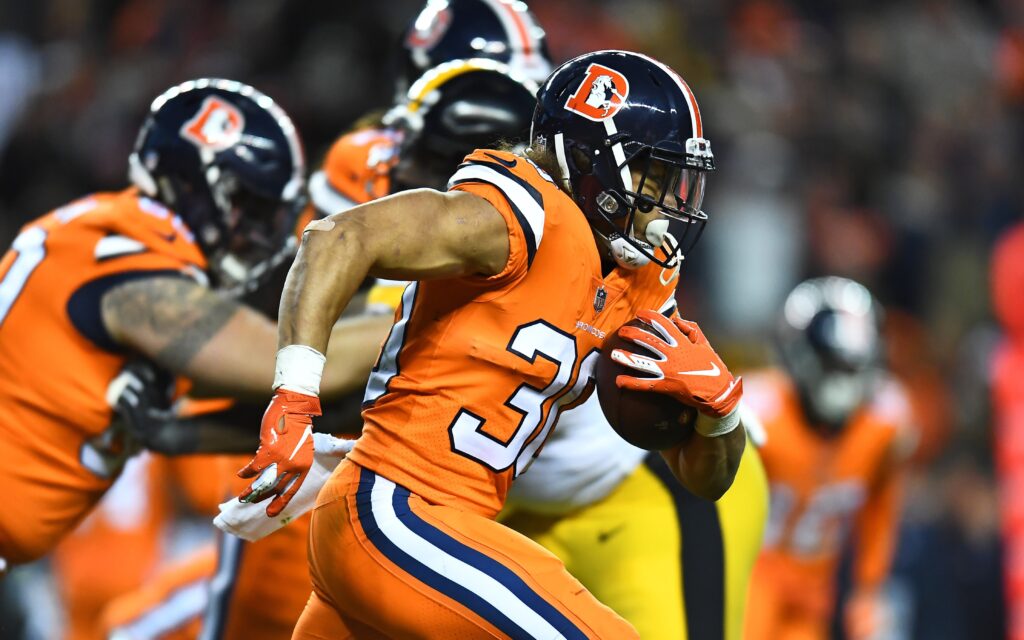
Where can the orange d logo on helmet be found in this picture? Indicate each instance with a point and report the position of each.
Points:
(601, 94)
(217, 125)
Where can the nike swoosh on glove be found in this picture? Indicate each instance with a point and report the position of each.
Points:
(684, 366)
(286, 450)
(250, 522)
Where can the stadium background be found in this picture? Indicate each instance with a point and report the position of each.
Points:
(876, 140)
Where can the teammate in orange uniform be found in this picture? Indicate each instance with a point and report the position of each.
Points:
(113, 276)
(837, 435)
(482, 359)
(128, 523)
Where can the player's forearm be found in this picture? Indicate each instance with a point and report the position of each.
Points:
(192, 331)
(707, 466)
(876, 531)
(325, 275)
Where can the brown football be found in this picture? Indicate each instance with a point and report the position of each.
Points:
(645, 419)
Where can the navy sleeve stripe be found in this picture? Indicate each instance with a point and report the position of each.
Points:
(84, 305)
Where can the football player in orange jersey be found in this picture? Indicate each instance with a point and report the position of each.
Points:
(218, 174)
(591, 499)
(474, 103)
(521, 276)
(837, 437)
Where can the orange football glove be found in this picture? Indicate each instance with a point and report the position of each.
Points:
(286, 450)
(686, 367)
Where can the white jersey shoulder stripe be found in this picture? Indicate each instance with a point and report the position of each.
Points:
(117, 246)
(521, 200)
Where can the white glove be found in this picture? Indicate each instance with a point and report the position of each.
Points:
(249, 521)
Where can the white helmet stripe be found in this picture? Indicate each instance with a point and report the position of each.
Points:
(515, 27)
(560, 155)
(619, 155)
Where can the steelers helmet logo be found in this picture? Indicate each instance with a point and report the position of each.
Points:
(217, 125)
(600, 95)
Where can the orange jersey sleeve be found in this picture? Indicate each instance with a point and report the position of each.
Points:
(470, 382)
(355, 170)
(56, 359)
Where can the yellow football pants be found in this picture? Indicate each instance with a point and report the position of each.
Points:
(674, 565)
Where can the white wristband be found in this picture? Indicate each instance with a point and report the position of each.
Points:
(718, 426)
(299, 368)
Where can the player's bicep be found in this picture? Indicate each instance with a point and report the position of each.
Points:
(441, 235)
(193, 331)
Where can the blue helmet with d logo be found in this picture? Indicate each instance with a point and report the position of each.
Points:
(627, 135)
(228, 160)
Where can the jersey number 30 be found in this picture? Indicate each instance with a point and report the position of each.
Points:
(530, 341)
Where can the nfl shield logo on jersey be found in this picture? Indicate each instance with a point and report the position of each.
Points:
(599, 299)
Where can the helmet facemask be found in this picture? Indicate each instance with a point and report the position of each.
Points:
(659, 189)
(255, 232)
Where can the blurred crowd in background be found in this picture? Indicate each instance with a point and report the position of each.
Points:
(875, 140)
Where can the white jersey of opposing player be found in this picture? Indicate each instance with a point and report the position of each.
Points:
(582, 462)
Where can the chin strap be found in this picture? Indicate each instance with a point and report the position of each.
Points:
(625, 254)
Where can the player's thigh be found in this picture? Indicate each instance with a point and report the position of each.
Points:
(383, 557)
(625, 549)
(169, 607)
(320, 621)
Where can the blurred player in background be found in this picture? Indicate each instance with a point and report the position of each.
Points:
(218, 174)
(357, 168)
(837, 439)
(502, 30)
(502, 244)
(1007, 379)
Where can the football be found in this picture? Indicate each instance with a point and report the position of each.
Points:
(648, 420)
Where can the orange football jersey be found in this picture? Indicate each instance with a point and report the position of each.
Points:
(822, 487)
(57, 361)
(471, 379)
(128, 523)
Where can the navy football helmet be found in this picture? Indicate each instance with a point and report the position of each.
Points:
(830, 341)
(626, 132)
(502, 30)
(453, 109)
(228, 160)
